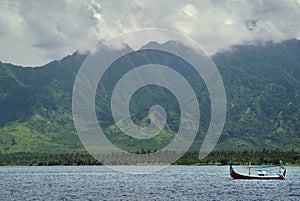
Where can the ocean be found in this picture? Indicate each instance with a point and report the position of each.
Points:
(172, 183)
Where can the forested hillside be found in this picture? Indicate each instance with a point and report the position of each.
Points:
(262, 85)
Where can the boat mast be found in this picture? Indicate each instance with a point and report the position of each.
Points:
(249, 168)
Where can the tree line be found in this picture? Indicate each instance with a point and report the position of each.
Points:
(264, 157)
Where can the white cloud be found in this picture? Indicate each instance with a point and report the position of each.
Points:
(36, 32)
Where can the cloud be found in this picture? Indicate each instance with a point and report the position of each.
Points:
(37, 32)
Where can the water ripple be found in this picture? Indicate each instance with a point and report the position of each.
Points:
(174, 183)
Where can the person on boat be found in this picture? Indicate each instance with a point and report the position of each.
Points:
(282, 171)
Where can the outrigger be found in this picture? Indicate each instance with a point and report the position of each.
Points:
(262, 173)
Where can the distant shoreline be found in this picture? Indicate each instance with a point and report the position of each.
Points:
(216, 158)
(289, 165)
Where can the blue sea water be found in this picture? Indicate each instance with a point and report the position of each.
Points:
(172, 183)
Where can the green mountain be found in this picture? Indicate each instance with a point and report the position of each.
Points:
(35, 105)
(263, 92)
(262, 84)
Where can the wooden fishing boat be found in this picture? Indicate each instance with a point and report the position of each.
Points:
(262, 173)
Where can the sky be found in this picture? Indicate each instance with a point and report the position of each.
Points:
(33, 33)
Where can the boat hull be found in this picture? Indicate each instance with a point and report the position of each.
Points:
(236, 175)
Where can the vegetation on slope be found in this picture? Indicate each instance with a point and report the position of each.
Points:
(262, 84)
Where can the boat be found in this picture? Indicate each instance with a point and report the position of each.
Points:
(262, 173)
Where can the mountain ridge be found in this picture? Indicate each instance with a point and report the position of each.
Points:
(261, 82)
